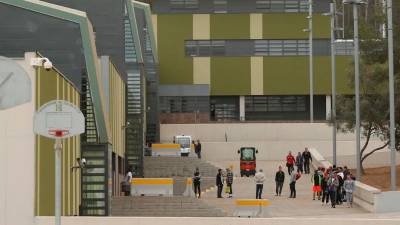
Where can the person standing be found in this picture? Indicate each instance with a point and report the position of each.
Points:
(219, 183)
(307, 160)
(293, 178)
(259, 178)
(198, 149)
(290, 161)
(196, 183)
(127, 183)
(349, 186)
(279, 179)
(325, 189)
(333, 184)
(299, 162)
(229, 181)
(316, 181)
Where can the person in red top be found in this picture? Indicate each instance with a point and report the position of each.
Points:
(290, 161)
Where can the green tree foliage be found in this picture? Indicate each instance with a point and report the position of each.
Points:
(374, 84)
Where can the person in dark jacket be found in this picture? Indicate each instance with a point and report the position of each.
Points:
(279, 179)
(196, 183)
(324, 189)
(198, 149)
(307, 160)
(299, 162)
(220, 183)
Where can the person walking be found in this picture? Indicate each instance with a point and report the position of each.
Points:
(307, 160)
(293, 178)
(290, 161)
(339, 191)
(229, 181)
(333, 183)
(259, 178)
(349, 186)
(198, 149)
(279, 179)
(219, 183)
(196, 183)
(299, 162)
(316, 181)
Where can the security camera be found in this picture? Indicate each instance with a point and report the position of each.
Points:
(83, 162)
(48, 65)
(45, 62)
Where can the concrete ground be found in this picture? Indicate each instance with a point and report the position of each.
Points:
(281, 206)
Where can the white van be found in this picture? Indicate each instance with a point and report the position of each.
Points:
(186, 144)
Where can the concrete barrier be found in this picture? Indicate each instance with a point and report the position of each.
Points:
(367, 197)
(251, 208)
(189, 188)
(165, 150)
(152, 187)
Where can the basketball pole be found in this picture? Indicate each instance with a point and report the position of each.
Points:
(57, 150)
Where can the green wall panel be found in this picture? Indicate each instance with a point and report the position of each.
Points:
(172, 32)
(290, 26)
(230, 76)
(230, 26)
(289, 75)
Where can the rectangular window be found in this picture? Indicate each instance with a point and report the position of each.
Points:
(183, 4)
(263, 4)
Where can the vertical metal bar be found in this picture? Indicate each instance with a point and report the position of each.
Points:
(357, 89)
(311, 75)
(333, 68)
(391, 98)
(57, 150)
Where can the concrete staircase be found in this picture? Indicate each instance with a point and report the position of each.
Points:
(177, 167)
(163, 207)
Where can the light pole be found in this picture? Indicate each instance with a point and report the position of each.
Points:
(355, 4)
(391, 97)
(332, 15)
(311, 69)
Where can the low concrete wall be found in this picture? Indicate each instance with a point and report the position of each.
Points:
(216, 221)
(367, 197)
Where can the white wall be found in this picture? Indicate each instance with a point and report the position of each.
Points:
(273, 140)
(17, 157)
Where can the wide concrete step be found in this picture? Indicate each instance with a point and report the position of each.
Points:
(177, 206)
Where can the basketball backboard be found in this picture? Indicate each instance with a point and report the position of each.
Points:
(15, 84)
(59, 119)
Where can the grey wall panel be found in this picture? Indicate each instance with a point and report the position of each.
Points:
(184, 90)
(59, 40)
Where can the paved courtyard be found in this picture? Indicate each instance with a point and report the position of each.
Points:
(281, 206)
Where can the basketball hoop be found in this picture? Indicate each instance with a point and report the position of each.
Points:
(58, 133)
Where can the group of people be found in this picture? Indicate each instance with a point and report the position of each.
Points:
(227, 178)
(302, 162)
(334, 184)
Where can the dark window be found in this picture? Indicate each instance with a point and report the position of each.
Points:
(183, 4)
(220, 6)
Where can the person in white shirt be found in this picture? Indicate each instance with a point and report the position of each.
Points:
(128, 179)
(259, 178)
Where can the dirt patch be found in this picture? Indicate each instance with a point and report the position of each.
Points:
(379, 177)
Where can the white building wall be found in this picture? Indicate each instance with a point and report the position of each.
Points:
(17, 158)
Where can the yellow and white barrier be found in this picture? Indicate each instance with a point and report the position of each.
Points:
(251, 208)
(152, 187)
(166, 150)
(189, 188)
